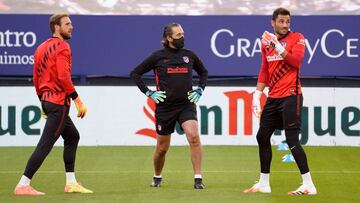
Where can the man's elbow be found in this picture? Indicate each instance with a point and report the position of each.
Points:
(205, 72)
(134, 75)
(297, 64)
(294, 61)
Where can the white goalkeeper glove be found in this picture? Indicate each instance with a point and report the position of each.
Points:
(269, 39)
(256, 103)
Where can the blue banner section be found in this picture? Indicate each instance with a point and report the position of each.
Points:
(228, 45)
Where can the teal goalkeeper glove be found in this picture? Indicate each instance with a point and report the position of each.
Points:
(157, 96)
(194, 95)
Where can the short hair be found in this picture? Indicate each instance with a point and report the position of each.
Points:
(168, 32)
(56, 19)
(280, 11)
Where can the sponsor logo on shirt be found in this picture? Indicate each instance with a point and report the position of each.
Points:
(177, 70)
(274, 58)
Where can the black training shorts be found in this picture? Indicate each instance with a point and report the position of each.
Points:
(282, 113)
(167, 116)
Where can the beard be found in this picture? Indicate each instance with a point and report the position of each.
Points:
(280, 32)
(65, 36)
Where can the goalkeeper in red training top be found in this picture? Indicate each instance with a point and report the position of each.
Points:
(52, 81)
(282, 53)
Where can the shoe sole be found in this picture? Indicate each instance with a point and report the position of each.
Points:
(255, 191)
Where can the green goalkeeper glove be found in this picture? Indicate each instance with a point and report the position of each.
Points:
(194, 95)
(157, 96)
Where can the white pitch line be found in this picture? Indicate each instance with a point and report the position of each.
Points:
(235, 171)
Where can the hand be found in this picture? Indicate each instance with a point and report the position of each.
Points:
(269, 39)
(157, 96)
(265, 43)
(194, 95)
(256, 103)
(81, 108)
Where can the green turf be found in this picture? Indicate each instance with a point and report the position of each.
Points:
(123, 174)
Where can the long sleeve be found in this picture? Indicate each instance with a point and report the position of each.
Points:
(264, 72)
(201, 71)
(144, 67)
(36, 77)
(63, 66)
(296, 55)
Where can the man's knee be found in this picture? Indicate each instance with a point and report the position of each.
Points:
(263, 137)
(72, 138)
(292, 138)
(161, 150)
(162, 147)
(76, 135)
(194, 139)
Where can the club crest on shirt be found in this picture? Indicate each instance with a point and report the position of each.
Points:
(186, 59)
(302, 42)
(283, 44)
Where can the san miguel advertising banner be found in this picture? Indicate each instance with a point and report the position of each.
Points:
(228, 45)
(330, 117)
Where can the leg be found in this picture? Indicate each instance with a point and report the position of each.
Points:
(269, 121)
(192, 134)
(265, 153)
(292, 125)
(53, 127)
(71, 139)
(292, 139)
(162, 146)
(165, 126)
(307, 187)
(263, 138)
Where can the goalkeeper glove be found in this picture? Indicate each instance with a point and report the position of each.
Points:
(194, 95)
(81, 108)
(256, 103)
(271, 39)
(157, 96)
(43, 114)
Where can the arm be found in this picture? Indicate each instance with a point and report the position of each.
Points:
(201, 71)
(261, 84)
(295, 57)
(63, 59)
(194, 95)
(63, 66)
(263, 73)
(36, 77)
(141, 69)
(147, 65)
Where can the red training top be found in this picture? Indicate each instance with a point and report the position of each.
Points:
(282, 75)
(52, 72)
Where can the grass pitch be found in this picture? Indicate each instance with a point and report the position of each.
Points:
(123, 174)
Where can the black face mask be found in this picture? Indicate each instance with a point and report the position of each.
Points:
(178, 43)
